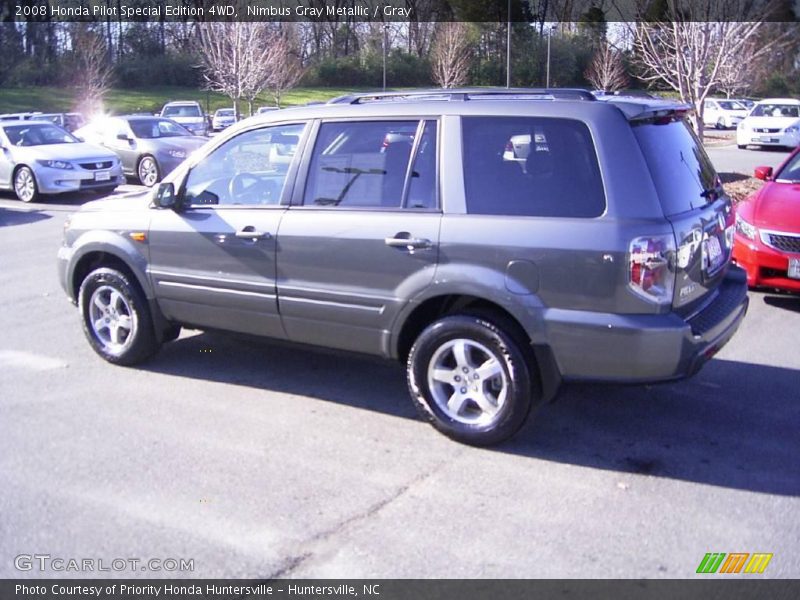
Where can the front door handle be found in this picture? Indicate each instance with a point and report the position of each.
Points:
(404, 240)
(251, 233)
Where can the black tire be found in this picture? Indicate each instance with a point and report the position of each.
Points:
(720, 124)
(741, 146)
(147, 171)
(25, 186)
(466, 421)
(125, 335)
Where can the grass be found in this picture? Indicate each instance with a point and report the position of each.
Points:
(148, 100)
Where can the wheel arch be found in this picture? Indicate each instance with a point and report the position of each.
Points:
(438, 306)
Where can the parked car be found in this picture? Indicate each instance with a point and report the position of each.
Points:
(746, 102)
(39, 158)
(772, 122)
(149, 147)
(606, 258)
(187, 113)
(20, 116)
(68, 121)
(723, 114)
(767, 240)
(223, 117)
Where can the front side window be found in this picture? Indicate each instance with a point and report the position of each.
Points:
(366, 165)
(531, 166)
(249, 169)
(157, 128)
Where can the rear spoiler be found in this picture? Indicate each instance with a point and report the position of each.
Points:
(636, 109)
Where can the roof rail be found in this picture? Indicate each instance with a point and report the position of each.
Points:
(461, 94)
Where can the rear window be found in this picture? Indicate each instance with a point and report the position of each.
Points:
(531, 166)
(681, 170)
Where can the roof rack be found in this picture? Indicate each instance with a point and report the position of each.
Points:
(462, 94)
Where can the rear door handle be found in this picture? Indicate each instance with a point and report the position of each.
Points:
(404, 240)
(251, 233)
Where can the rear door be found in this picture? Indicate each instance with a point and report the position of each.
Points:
(362, 234)
(693, 200)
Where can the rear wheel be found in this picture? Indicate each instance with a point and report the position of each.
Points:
(741, 146)
(25, 186)
(116, 317)
(470, 379)
(148, 171)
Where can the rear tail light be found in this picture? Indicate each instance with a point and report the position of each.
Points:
(509, 147)
(650, 274)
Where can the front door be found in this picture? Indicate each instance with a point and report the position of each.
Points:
(212, 264)
(364, 235)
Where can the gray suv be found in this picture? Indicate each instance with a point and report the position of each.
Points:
(498, 242)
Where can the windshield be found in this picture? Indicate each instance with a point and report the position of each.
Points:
(225, 112)
(682, 172)
(791, 172)
(776, 110)
(37, 134)
(186, 110)
(156, 128)
(730, 105)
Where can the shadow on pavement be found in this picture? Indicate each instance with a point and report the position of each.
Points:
(10, 217)
(786, 301)
(733, 425)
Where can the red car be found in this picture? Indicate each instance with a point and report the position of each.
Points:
(767, 237)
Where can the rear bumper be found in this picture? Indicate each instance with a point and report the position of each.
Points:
(646, 348)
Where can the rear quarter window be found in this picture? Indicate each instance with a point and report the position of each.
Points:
(531, 166)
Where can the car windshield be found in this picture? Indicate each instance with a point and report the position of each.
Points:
(156, 128)
(225, 112)
(731, 105)
(776, 110)
(37, 134)
(791, 172)
(186, 110)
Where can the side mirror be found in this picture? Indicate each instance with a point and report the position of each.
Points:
(763, 173)
(164, 196)
(124, 137)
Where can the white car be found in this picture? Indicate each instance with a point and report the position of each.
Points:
(722, 113)
(772, 122)
(187, 113)
(223, 117)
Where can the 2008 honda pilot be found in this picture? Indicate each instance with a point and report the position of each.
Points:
(496, 241)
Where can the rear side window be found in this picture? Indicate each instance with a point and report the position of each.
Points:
(531, 166)
(682, 172)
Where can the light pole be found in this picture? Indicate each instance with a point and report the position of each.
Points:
(550, 31)
(508, 47)
(385, 27)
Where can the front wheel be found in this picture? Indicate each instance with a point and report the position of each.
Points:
(470, 379)
(147, 171)
(25, 186)
(721, 123)
(116, 317)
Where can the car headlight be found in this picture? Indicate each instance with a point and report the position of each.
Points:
(177, 153)
(746, 229)
(792, 129)
(55, 164)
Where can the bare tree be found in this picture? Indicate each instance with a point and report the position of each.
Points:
(92, 71)
(451, 54)
(607, 71)
(285, 67)
(690, 55)
(235, 57)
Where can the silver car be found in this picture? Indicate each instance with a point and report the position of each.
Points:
(39, 158)
(149, 147)
(223, 117)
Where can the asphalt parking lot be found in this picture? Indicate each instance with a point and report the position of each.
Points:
(260, 460)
